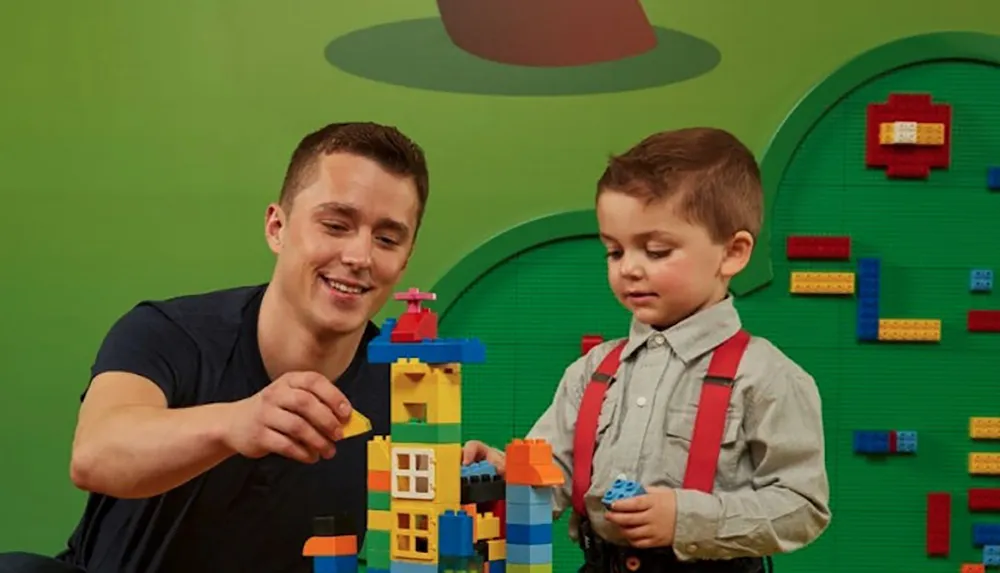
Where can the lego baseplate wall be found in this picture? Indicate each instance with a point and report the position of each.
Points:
(929, 234)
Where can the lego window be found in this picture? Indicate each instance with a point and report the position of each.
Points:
(412, 473)
(416, 412)
(412, 535)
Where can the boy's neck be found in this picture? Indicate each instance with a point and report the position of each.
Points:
(707, 305)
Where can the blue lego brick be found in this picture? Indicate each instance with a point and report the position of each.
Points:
(530, 495)
(479, 469)
(871, 442)
(991, 555)
(622, 489)
(906, 442)
(528, 514)
(412, 567)
(993, 178)
(981, 280)
(498, 566)
(518, 554)
(381, 350)
(538, 534)
(455, 534)
(985, 534)
(335, 564)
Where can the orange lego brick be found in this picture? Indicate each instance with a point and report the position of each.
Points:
(531, 451)
(379, 480)
(973, 568)
(331, 546)
(536, 475)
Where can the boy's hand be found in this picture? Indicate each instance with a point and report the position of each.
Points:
(647, 520)
(476, 451)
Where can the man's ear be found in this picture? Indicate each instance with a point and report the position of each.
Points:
(274, 226)
(738, 251)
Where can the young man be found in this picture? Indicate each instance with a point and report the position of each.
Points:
(208, 435)
(678, 215)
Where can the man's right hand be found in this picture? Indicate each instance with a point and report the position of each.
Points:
(298, 416)
(476, 451)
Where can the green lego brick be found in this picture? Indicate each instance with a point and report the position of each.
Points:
(421, 433)
(379, 500)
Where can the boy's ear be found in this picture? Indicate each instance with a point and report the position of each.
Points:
(737, 256)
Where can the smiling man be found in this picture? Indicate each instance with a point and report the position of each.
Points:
(209, 435)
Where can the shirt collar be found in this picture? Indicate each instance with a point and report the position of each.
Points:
(691, 337)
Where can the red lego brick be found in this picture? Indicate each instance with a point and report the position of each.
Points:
(816, 247)
(984, 499)
(415, 326)
(588, 342)
(938, 524)
(907, 161)
(893, 442)
(984, 321)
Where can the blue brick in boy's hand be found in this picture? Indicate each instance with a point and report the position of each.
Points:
(622, 489)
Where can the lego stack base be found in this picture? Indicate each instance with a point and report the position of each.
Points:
(896, 312)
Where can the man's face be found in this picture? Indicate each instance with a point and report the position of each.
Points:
(344, 244)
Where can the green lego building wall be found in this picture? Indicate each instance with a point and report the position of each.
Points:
(531, 293)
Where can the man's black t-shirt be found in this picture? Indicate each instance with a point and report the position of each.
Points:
(243, 515)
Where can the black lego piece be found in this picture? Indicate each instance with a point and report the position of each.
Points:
(334, 525)
(483, 489)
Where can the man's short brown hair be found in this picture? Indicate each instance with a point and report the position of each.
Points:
(383, 144)
(712, 173)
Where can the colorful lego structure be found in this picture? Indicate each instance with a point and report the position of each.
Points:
(908, 135)
(426, 511)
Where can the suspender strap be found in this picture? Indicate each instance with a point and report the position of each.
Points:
(585, 433)
(710, 422)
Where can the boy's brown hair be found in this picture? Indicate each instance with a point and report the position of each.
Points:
(711, 172)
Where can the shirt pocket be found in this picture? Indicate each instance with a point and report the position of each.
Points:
(679, 427)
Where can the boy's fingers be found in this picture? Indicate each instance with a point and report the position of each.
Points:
(626, 520)
(633, 504)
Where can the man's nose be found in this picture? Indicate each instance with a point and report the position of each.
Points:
(357, 251)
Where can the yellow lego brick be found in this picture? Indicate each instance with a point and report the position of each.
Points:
(898, 133)
(913, 330)
(431, 393)
(984, 463)
(885, 133)
(496, 549)
(930, 134)
(487, 526)
(427, 472)
(358, 424)
(526, 568)
(415, 530)
(379, 520)
(822, 283)
(984, 428)
(378, 454)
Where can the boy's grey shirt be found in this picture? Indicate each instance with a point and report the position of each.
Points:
(771, 490)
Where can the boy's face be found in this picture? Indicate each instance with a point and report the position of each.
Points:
(660, 266)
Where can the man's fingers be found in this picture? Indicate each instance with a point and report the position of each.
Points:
(325, 392)
(282, 445)
(306, 405)
(300, 430)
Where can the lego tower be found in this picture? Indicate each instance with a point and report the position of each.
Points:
(427, 513)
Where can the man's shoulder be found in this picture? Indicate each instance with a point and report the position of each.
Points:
(218, 304)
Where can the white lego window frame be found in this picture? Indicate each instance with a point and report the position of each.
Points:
(414, 471)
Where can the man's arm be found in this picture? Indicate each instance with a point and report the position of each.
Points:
(128, 444)
(788, 506)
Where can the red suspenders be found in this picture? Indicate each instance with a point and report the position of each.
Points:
(710, 422)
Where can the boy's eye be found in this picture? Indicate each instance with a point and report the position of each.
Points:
(659, 254)
(613, 254)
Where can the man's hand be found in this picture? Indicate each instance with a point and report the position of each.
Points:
(647, 520)
(476, 451)
(298, 416)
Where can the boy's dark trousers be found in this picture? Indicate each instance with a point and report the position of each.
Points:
(603, 557)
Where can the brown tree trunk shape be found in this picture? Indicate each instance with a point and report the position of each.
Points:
(549, 33)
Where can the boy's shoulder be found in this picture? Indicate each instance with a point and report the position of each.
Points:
(765, 362)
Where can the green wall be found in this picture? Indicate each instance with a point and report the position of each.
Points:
(140, 144)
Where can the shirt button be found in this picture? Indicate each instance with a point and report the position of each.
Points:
(692, 548)
(657, 340)
(641, 401)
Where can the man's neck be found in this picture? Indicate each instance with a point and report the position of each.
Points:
(286, 345)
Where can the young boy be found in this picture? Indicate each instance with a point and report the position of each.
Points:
(679, 214)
